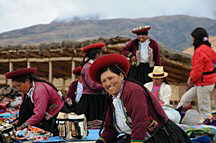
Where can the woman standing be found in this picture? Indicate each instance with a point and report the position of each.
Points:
(75, 90)
(132, 115)
(202, 77)
(92, 100)
(41, 102)
(143, 52)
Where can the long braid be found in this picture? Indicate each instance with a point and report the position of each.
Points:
(108, 100)
(37, 79)
(149, 97)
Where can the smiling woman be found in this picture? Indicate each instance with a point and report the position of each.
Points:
(132, 115)
(111, 81)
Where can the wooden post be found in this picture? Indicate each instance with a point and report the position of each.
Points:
(28, 63)
(63, 87)
(10, 66)
(9, 82)
(50, 71)
(73, 66)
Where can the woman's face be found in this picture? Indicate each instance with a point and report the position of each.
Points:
(193, 39)
(22, 86)
(111, 82)
(157, 81)
(142, 38)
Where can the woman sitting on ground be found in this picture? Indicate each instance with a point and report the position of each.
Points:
(132, 114)
(158, 86)
(41, 102)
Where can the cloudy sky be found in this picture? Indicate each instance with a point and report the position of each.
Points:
(15, 14)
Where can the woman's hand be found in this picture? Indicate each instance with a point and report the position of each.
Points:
(24, 125)
(15, 123)
(189, 83)
(69, 101)
(48, 116)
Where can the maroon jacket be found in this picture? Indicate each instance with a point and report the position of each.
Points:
(132, 46)
(43, 97)
(138, 108)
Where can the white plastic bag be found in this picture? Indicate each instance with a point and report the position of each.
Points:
(172, 113)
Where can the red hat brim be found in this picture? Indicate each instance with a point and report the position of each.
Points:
(93, 46)
(20, 72)
(77, 70)
(141, 30)
(105, 61)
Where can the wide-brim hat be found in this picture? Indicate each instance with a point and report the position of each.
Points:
(20, 72)
(158, 72)
(77, 70)
(105, 61)
(93, 46)
(141, 29)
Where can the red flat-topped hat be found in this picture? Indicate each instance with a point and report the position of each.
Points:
(77, 70)
(20, 72)
(141, 30)
(105, 61)
(93, 46)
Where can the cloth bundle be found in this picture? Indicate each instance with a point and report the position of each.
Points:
(6, 132)
(72, 126)
(172, 114)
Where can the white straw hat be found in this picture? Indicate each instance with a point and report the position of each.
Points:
(158, 72)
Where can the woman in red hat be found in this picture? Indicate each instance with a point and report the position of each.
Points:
(41, 102)
(92, 100)
(132, 115)
(75, 90)
(144, 54)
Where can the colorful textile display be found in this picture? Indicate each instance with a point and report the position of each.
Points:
(95, 124)
(202, 139)
(199, 131)
(9, 115)
(93, 135)
(32, 134)
(211, 120)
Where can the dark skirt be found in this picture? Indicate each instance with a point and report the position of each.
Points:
(92, 105)
(169, 133)
(49, 125)
(140, 73)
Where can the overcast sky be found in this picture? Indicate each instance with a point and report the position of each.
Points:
(15, 14)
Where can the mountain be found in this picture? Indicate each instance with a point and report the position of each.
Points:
(190, 50)
(171, 31)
